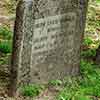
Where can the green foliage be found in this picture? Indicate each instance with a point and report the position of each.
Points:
(98, 1)
(83, 87)
(87, 41)
(74, 88)
(5, 39)
(81, 97)
(72, 92)
(5, 33)
(65, 94)
(55, 82)
(88, 53)
(4, 59)
(31, 90)
(86, 67)
(90, 84)
(6, 46)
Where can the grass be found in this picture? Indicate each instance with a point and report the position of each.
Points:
(5, 40)
(87, 41)
(55, 82)
(31, 90)
(6, 46)
(89, 53)
(5, 33)
(82, 87)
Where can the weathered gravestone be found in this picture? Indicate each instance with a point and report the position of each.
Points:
(47, 40)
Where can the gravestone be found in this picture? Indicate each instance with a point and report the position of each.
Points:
(47, 40)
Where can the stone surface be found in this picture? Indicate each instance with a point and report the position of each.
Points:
(47, 40)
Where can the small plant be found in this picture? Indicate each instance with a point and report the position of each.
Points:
(88, 53)
(81, 97)
(88, 84)
(65, 94)
(4, 59)
(87, 41)
(6, 46)
(55, 82)
(86, 67)
(31, 90)
(5, 33)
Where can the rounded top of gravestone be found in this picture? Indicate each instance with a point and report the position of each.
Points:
(28, 1)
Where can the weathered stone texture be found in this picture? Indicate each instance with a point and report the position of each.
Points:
(47, 40)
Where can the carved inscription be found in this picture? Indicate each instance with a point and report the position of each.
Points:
(48, 30)
(51, 33)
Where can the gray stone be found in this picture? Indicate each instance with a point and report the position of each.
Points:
(47, 40)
